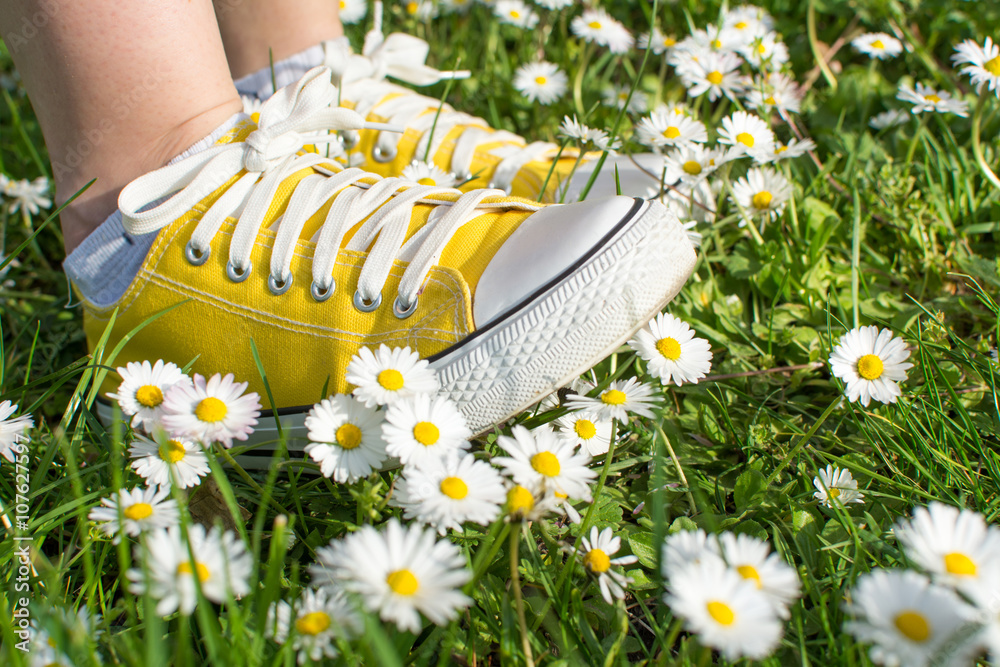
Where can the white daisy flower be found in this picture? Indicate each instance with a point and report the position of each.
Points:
(142, 510)
(157, 462)
(421, 10)
(877, 45)
(603, 142)
(682, 549)
(422, 428)
(345, 438)
(836, 485)
(540, 459)
(515, 13)
(793, 149)
(693, 164)
(658, 42)
(221, 563)
(748, 134)
(695, 201)
(140, 395)
(209, 411)
(890, 118)
(715, 73)
(540, 82)
(765, 50)
(585, 430)
(595, 555)
(251, 104)
(574, 129)
(871, 363)
(762, 192)
(748, 20)
(672, 352)
(428, 173)
(448, 492)
(397, 572)
(321, 618)
(618, 400)
(984, 596)
(726, 611)
(617, 96)
(28, 196)
(926, 98)
(752, 559)
(12, 429)
(665, 127)
(352, 11)
(775, 92)
(983, 66)
(597, 26)
(555, 4)
(391, 374)
(955, 546)
(906, 618)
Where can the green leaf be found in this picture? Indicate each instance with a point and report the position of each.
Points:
(643, 548)
(748, 485)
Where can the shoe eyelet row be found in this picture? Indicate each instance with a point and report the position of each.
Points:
(349, 139)
(383, 156)
(366, 306)
(277, 288)
(196, 256)
(319, 294)
(237, 275)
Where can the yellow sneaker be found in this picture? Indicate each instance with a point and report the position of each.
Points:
(258, 241)
(476, 155)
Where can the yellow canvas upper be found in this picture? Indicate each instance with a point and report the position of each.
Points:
(303, 344)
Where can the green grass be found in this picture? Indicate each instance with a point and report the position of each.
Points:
(896, 228)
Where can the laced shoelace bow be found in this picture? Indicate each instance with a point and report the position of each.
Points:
(293, 118)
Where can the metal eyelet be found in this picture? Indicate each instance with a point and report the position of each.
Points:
(493, 186)
(196, 257)
(276, 289)
(349, 139)
(383, 156)
(235, 274)
(403, 313)
(318, 294)
(359, 303)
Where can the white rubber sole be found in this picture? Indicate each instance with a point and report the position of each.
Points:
(552, 338)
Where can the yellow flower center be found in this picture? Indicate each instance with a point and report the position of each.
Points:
(211, 410)
(762, 199)
(716, 44)
(750, 572)
(933, 98)
(172, 451)
(960, 564)
(780, 149)
(185, 568)
(669, 41)
(546, 463)
(742, 25)
(149, 395)
(426, 433)
(671, 132)
(913, 625)
(390, 379)
(594, 25)
(514, 14)
(745, 138)
(343, 4)
(138, 511)
(454, 488)
(412, 7)
(834, 493)
(426, 180)
(313, 623)
(520, 500)
(541, 80)
(770, 100)
(877, 44)
(402, 582)
(613, 397)
(669, 347)
(993, 66)
(714, 78)
(348, 436)
(761, 49)
(721, 612)
(585, 428)
(692, 167)
(870, 367)
(597, 561)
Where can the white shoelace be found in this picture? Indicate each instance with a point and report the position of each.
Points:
(293, 118)
(402, 57)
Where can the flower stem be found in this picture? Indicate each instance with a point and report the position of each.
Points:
(486, 552)
(977, 146)
(515, 579)
(803, 440)
(680, 470)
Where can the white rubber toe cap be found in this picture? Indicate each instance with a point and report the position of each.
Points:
(545, 246)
